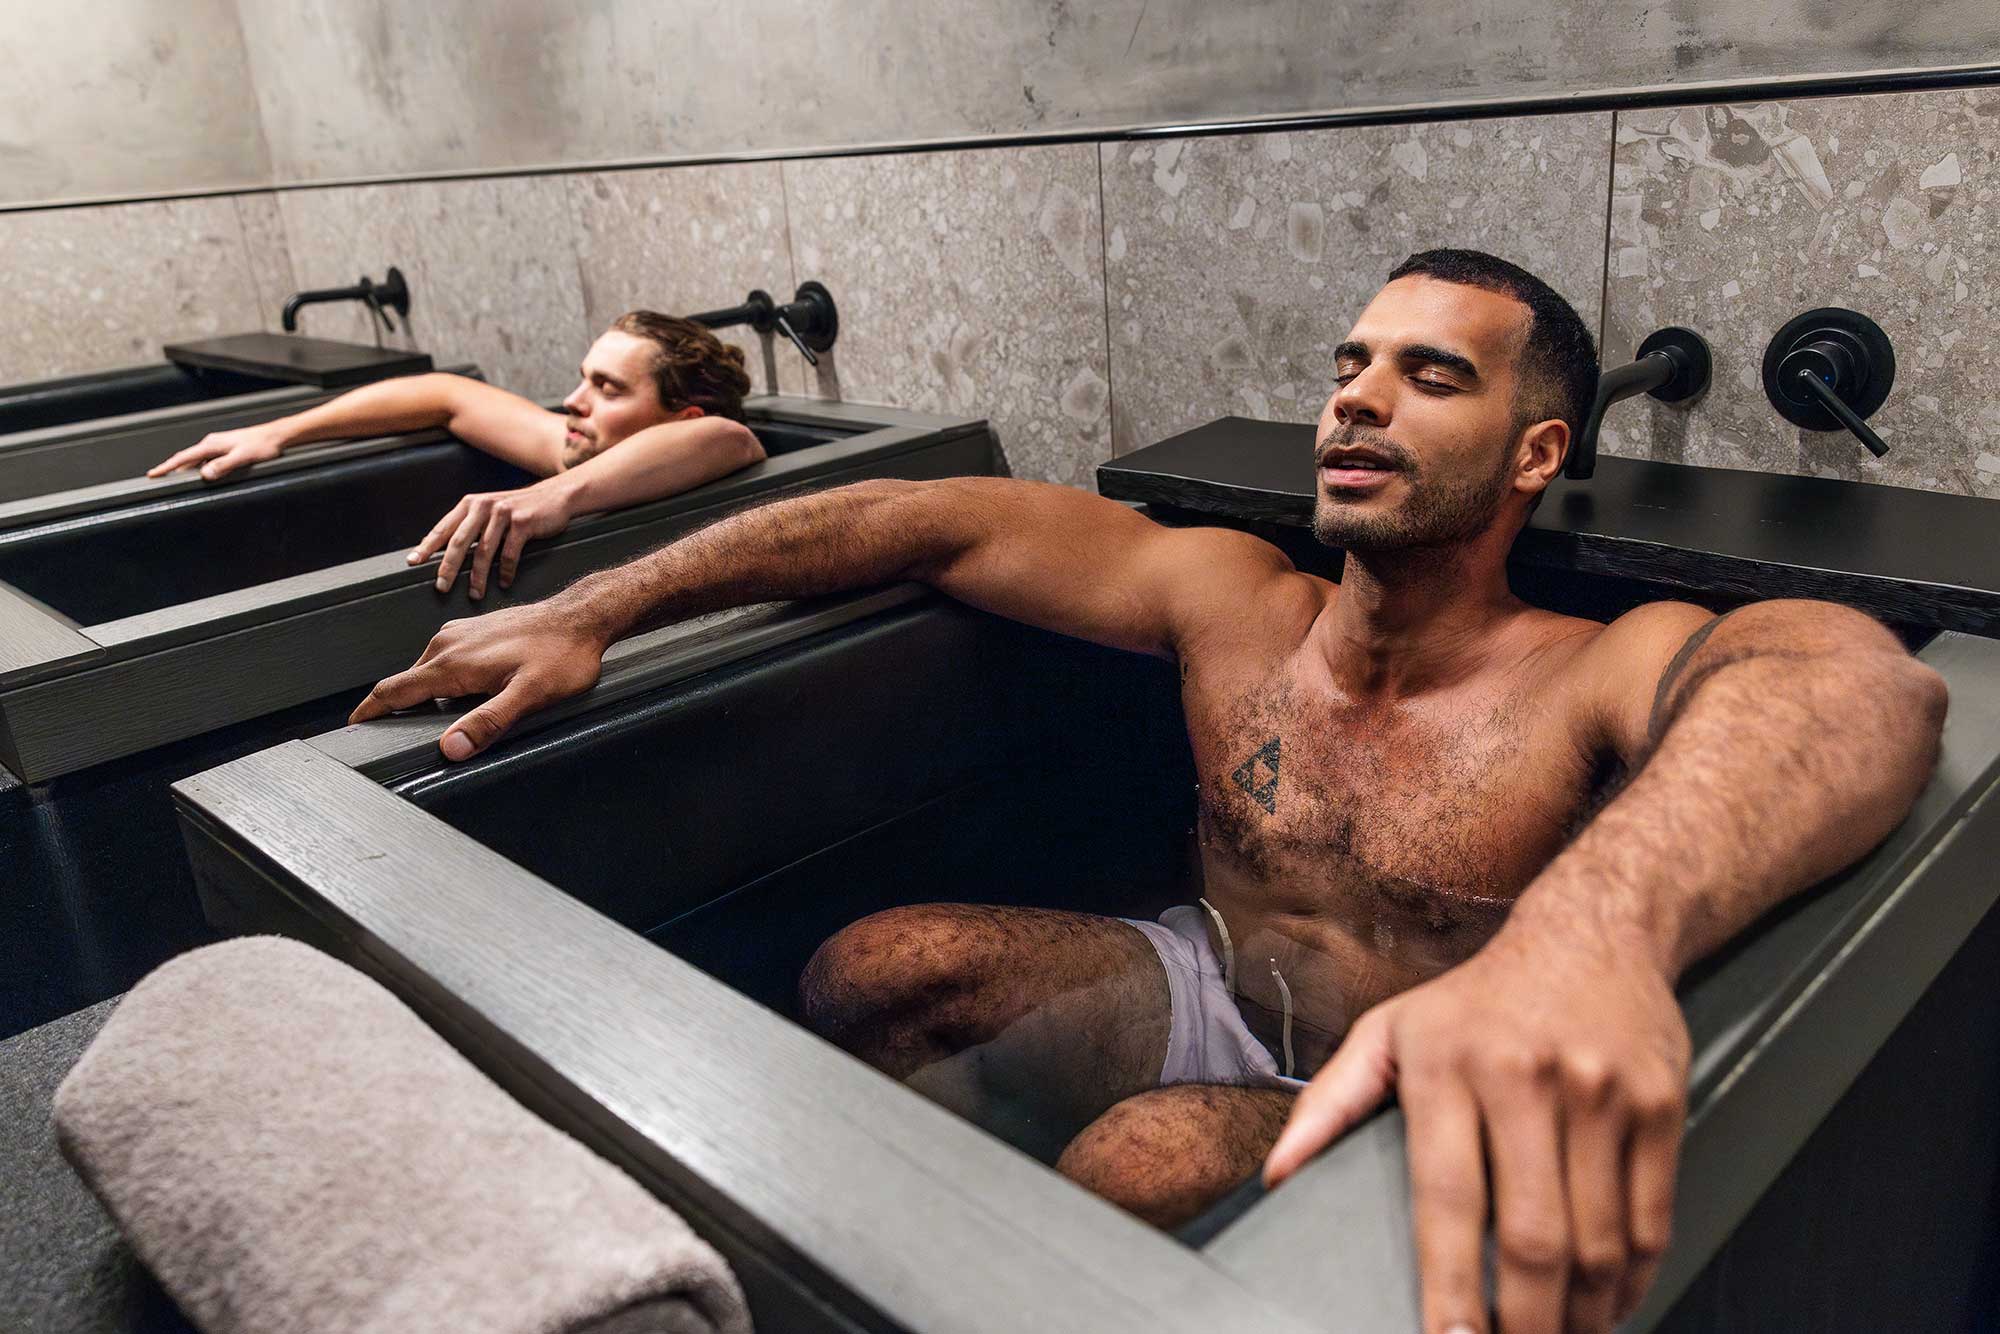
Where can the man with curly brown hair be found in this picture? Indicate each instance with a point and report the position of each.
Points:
(663, 390)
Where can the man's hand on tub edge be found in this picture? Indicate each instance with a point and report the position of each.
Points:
(525, 658)
(1543, 1083)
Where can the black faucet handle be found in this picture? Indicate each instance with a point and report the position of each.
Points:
(1820, 386)
(372, 297)
(1831, 368)
(784, 327)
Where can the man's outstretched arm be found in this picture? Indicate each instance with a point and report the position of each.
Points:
(485, 416)
(1052, 556)
(1545, 1078)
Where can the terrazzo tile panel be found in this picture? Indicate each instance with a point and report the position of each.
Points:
(1235, 264)
(968, 282)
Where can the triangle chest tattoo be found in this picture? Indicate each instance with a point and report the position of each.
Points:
(1258, 776)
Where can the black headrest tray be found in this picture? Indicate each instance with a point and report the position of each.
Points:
(296, 359)
(1915, 557)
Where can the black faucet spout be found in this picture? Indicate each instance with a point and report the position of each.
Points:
(1672, 364)
(392, 293)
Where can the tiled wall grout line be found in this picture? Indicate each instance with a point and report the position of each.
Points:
(1104, 267)
(249, 266)
(1604, 279)
(786, 352)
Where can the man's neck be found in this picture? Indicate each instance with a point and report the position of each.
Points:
(1410, 621)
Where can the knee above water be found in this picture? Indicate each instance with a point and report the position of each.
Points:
(883, 964)
(1157, 1156)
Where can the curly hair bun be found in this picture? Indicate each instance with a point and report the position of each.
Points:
(692, 366)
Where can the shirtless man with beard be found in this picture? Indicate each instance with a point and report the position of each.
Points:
(1401, 870)
(658, 410)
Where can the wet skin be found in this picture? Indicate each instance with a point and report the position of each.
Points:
(1391, 836)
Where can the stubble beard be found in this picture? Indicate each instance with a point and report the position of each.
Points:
(1440, 512)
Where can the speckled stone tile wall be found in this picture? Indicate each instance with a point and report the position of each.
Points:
(491, 265)
(1235, 264)
(1733, 219)
(683, 239)
(93, 288)
(968, 282)
(499, 263)
(269, 254)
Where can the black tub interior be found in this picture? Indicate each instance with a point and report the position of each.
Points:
(38, 404)
(106, 566)
(934, 754)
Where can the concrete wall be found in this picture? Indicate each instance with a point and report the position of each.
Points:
(127, 98)
(402, 89)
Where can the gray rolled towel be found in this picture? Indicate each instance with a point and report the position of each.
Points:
(289, 1148)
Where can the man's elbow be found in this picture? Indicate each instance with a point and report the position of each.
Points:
(745, 447)
(1911, 700)
(1927, 696)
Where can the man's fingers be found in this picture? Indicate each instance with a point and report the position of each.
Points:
(440, 532)
(227, 463)
(1353, 1084)
(404, 690)
(187, 458)
(1660, 1116)
(510, 554)
(454, 550)
(1594, 1137)
(1530, 1206)
(1448, 1201)
(489, 546)
(486, 724)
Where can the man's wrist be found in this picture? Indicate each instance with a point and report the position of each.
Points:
(584, 606)
(570, 490)
(1578, 905)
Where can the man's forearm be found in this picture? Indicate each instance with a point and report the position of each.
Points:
(387, 407)
(659, 461)
(1770, 772)
(855, 536)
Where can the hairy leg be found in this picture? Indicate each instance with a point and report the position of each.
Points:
(1026, 1021)
(1168, 1154)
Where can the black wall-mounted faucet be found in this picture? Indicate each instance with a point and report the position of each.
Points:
(809, 319)
(1673, 364)
(1830, 368)
(392, 293)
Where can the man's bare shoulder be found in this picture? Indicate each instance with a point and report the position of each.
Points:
(1225, 578)
(1612, 671)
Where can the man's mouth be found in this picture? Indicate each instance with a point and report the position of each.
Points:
(1356, 468)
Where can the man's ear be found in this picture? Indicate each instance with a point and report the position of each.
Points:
(687, 414)
(1542, 450)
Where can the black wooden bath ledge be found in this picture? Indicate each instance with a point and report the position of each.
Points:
(1915, 557)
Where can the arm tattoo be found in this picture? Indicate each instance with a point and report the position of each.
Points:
(1258, 776)
(1667, 699)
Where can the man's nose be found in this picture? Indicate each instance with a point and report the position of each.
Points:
(1362, 400)
(577, 402)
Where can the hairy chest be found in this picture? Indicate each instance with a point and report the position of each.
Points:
(1435, 813)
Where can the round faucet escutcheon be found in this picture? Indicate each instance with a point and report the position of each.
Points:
(1829, 370)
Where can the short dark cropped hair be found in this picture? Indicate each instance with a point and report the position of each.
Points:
(690, 364)
(1558, 366)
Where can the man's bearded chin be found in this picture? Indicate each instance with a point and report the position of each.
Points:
(1437, 512)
